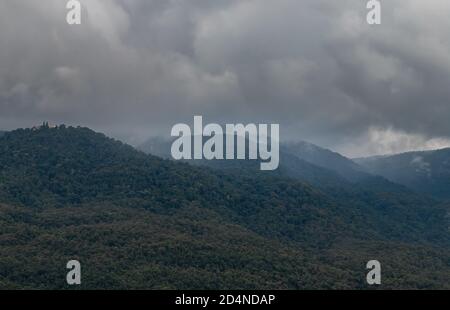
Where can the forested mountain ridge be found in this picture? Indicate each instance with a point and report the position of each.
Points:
(326, 159)
(369, 194)
(426, 172)
(137, 221)
(300, 160)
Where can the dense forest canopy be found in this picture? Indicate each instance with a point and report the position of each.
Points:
(137, 221)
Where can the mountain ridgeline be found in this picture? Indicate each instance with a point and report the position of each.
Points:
(326, 159)
(426, 172)
(139, 221)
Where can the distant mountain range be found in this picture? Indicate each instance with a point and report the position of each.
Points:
(138, 221)
(426, 172)
(326, 159)
(290, 164)
(307, 153)
(303, 161)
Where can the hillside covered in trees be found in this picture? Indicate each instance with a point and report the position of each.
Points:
(137, 221)
(426, 172)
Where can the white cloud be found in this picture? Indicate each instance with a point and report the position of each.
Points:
(314, 66)
(385, 141)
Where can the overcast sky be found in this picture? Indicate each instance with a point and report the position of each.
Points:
(134, 68)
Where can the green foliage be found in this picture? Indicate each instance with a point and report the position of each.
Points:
(137, 221)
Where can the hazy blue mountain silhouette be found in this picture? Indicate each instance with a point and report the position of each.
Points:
(426, 172)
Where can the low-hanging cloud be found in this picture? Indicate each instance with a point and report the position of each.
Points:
(136, 67)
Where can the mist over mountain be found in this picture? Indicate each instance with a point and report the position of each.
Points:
(144, 66)
(327, 159)
(426, 172)
(340, 178)
(301, 160)
(138, 221)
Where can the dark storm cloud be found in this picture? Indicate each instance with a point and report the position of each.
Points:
(315, 66)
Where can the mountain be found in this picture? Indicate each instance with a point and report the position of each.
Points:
(157, 146)
(309, 156)
(326, 159)
(137, 221)
(372, 195)
(426, 172)
(320, 168)
(290, 165)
